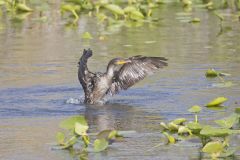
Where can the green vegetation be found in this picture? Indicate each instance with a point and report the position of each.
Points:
(212, 73)
(129, 12)
(75, 137)
(215, 139)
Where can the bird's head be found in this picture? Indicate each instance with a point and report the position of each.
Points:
(119, 61)
(87, 53)
(115, 64)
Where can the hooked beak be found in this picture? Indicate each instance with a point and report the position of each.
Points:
(123, 61)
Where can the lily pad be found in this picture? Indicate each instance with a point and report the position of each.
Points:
(211, 73)
(136, 15)
(173, 127)
(179, 121)
(81, 129)
(228, 122)
(195, 127)
(228, 152)
(170, 138)
(213, 147)
(107, 134)
(70, 142)
(164, 125)
(195, 109)
(60, 138)
(70, 122)
(186, 2)
(129, 9)
(113, 134)
(100, 145)
(115, 9)
(217, 102)
(87, 35)
(237, 110)
(184, 130)
(23, 8)
(215, 132)
(195, 20)
(2, 2)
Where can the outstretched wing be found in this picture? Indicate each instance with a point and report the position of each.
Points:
(134, 71)
(84, 75)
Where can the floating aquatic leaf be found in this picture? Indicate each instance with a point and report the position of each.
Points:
(186, 2)
(228, 122)
(104, 134)
(213, 147)
(228, 152)
(115, 9)
(136, 15)
(172, 126)
(2, 2)
(170, 138)
(71, 8)
(60, 137)
(195, 109)
(100, 145)
(23, 8)
(70, 142)
(113, 134)
(184, 130)
(211, 73)
(107, 134)
(195, 127)
(215, 132)
(87, 35)
(70, 122)
(164, 125)
(217, 102)
(101, 17)
(129, 9)
(81, 129)
(217, 108)
(237, 110)
(179, 121)
(195, 20)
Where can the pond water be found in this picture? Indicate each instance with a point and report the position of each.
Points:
(39, 85)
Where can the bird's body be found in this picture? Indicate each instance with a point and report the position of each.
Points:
(97, 85)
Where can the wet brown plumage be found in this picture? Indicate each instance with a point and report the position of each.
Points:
(97, 85)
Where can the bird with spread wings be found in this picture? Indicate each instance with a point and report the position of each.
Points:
(121, 74)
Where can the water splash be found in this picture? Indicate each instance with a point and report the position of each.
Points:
(75, 100)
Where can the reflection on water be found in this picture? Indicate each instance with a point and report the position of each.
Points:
(38, 74)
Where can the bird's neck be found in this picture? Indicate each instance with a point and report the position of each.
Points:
(110, 70)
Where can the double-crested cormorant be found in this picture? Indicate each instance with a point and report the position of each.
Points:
(120, 75)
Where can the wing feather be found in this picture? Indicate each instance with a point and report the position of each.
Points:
(134, 71)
